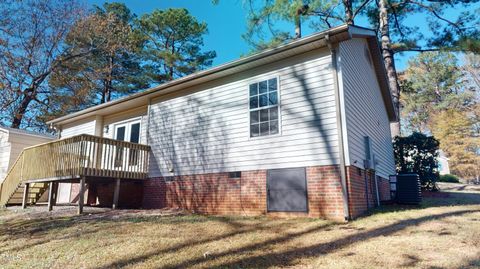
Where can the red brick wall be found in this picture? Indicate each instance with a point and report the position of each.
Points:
(101, 194)
(209, 193)
(75, 190)
(360, 183)
(218, 194)
(384, 189)
(130, 194)
(325, 192)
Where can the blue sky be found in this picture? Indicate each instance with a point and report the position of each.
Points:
(227, 22)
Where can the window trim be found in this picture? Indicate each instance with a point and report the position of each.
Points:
(279, 105)
(120, 122)
(128, 133)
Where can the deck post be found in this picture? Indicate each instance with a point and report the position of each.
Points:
(81, 196)
(25, 195)
(55, 193)
(116, 193)
(50, 195)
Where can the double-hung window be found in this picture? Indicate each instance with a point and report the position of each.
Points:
(264, 108)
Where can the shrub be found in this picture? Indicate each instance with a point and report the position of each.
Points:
(417, 153)
(449, 178)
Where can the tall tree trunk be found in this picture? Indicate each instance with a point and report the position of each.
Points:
(103, 98)
(107, 91)
(298, 27)
(22, 108)
(298, 20)
(388, 60)
(348, 12)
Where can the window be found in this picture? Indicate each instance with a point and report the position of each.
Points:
(264, 108)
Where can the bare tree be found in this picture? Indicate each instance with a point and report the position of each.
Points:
(31, 48)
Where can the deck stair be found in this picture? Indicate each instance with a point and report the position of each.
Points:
(36, 190)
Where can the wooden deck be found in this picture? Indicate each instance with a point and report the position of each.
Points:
(76, 159)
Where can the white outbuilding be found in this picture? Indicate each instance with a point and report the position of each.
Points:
(13, 141)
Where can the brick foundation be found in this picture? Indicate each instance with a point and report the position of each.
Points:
(384, 189)
(361, 184)
(74, 191)
(101, 194)
(209, 193)
(130, 194)
(218, 194)
(324, 190)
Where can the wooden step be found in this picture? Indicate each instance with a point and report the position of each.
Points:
(34, 193)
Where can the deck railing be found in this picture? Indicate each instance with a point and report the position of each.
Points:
(75, 157)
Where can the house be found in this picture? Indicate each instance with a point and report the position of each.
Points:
(12, 143)
(443, 167)
(302, 128)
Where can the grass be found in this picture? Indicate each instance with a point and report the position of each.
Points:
(442, 233)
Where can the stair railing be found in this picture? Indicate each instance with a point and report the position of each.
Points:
(12, 180)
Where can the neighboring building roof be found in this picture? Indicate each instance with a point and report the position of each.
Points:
(318, 40)
(26, 132)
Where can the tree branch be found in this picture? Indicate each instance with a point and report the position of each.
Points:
(418, 50)
(397, 23)
(359, 8)
(435, 13)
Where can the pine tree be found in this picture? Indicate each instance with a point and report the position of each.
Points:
(433, 83)
(173, 44)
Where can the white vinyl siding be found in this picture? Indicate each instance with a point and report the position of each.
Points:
(20, 141)
(4, 154)
(207, 130)
(12, 144)
(85, 126)
(364, 107)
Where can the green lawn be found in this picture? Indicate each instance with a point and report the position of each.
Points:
(443, 233)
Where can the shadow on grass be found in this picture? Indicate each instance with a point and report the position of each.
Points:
(283, 258)
(191, 243)
(38, 228)
(472, 263)
(436, 199)
(287, 257)
(36, 231)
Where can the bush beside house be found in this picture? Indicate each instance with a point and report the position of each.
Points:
(418, 153)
